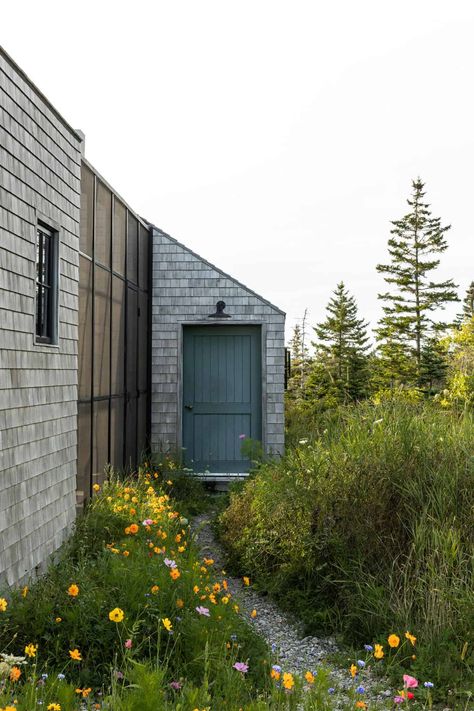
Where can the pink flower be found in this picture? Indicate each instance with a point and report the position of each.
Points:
(410, 681)
(128, 644)
(203, 611)
(242, 436)
(398, 700)
(241, 667)
(147, 522)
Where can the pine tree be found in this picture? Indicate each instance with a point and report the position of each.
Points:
(416, 240)
(339, 372)
(468, 303)
(299, 361)
(433, 366)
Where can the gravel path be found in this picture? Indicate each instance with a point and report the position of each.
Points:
(283, 634)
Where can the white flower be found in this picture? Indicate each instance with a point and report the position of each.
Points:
(303, 441)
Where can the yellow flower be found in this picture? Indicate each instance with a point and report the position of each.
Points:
(75, 654)
(24, 592)
(154, 589)
(209, 561)
(275, 674)
(96, 487)
(309, 677)
(9, 708)
(353, 670)
(246, 580)
(58, 619)
(54, 707)
(116, 615)
(288, 681)
(181, 549)
(378, 654)
(73, 590)
(174, 573)
(15, 674)
(253, 614)
(169, 482)
(180, 603)
(411, 637)
(393, 640)
(31, 650)
(84, 692)
(225, 600)
(236, 608)
(167, 624)
(3, 604)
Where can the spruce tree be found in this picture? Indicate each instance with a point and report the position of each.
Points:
(468, 303)
(433, 366)
(416, 241)
(299, 362)
(339, 372)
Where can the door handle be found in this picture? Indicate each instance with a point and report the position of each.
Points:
(188, 407)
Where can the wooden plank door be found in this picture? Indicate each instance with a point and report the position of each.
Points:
(222, 395)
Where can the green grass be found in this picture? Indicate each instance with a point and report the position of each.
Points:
(368, 528)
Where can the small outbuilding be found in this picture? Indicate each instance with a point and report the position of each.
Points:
(217, 373)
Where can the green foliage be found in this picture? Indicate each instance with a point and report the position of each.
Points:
(416, 240)
(339, 372)
(459, 392)
(368, 526)
(299, 362)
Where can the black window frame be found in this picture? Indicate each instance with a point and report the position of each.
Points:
(46, 283)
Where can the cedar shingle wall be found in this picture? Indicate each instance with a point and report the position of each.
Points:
(186, 289)
(39, 172)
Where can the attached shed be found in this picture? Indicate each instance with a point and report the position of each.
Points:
(218, 366)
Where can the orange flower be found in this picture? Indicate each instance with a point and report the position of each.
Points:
(154, 589)
(174, 573)
(179, 603)
(246, 580)
(253, 614)
(15, 674)
(411, 637)
(75, 654)
(393, 640)
(361, 705)
(73, 590)
(309, 677)
(133, 528)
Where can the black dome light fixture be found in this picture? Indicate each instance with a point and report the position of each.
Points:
(220, 306)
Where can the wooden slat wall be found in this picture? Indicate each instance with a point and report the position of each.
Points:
(39, 173)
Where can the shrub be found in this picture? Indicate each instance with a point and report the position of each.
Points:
(369, 523)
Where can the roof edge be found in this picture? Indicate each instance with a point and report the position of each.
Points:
(38, 91)
(217, 269)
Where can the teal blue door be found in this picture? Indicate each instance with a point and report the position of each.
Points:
(222, 395)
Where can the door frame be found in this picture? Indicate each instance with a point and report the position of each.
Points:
(217, 324)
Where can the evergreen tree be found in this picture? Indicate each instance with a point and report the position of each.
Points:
(339, 372)
(416, 240)
(468, 303)
(433, 366)
(299, 361)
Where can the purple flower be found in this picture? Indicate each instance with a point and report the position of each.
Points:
(147, 522)
(242, 436)
(241, 667)
(176, 685)
(428, 684)
(170, 563)
(203, 611)
(360, 689)
(360, 663)
(277, 668)
(368, 648)
(398, 699)
(331, 690)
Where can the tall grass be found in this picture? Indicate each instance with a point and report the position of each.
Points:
(367, 525)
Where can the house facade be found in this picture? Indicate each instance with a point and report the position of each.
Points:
(114, 338)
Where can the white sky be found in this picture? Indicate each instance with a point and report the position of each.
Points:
(276, 139)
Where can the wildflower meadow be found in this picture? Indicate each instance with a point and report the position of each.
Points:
(130, 617)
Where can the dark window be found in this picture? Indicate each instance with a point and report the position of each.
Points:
(46, 285)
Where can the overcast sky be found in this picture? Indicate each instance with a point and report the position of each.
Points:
(276, 139)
